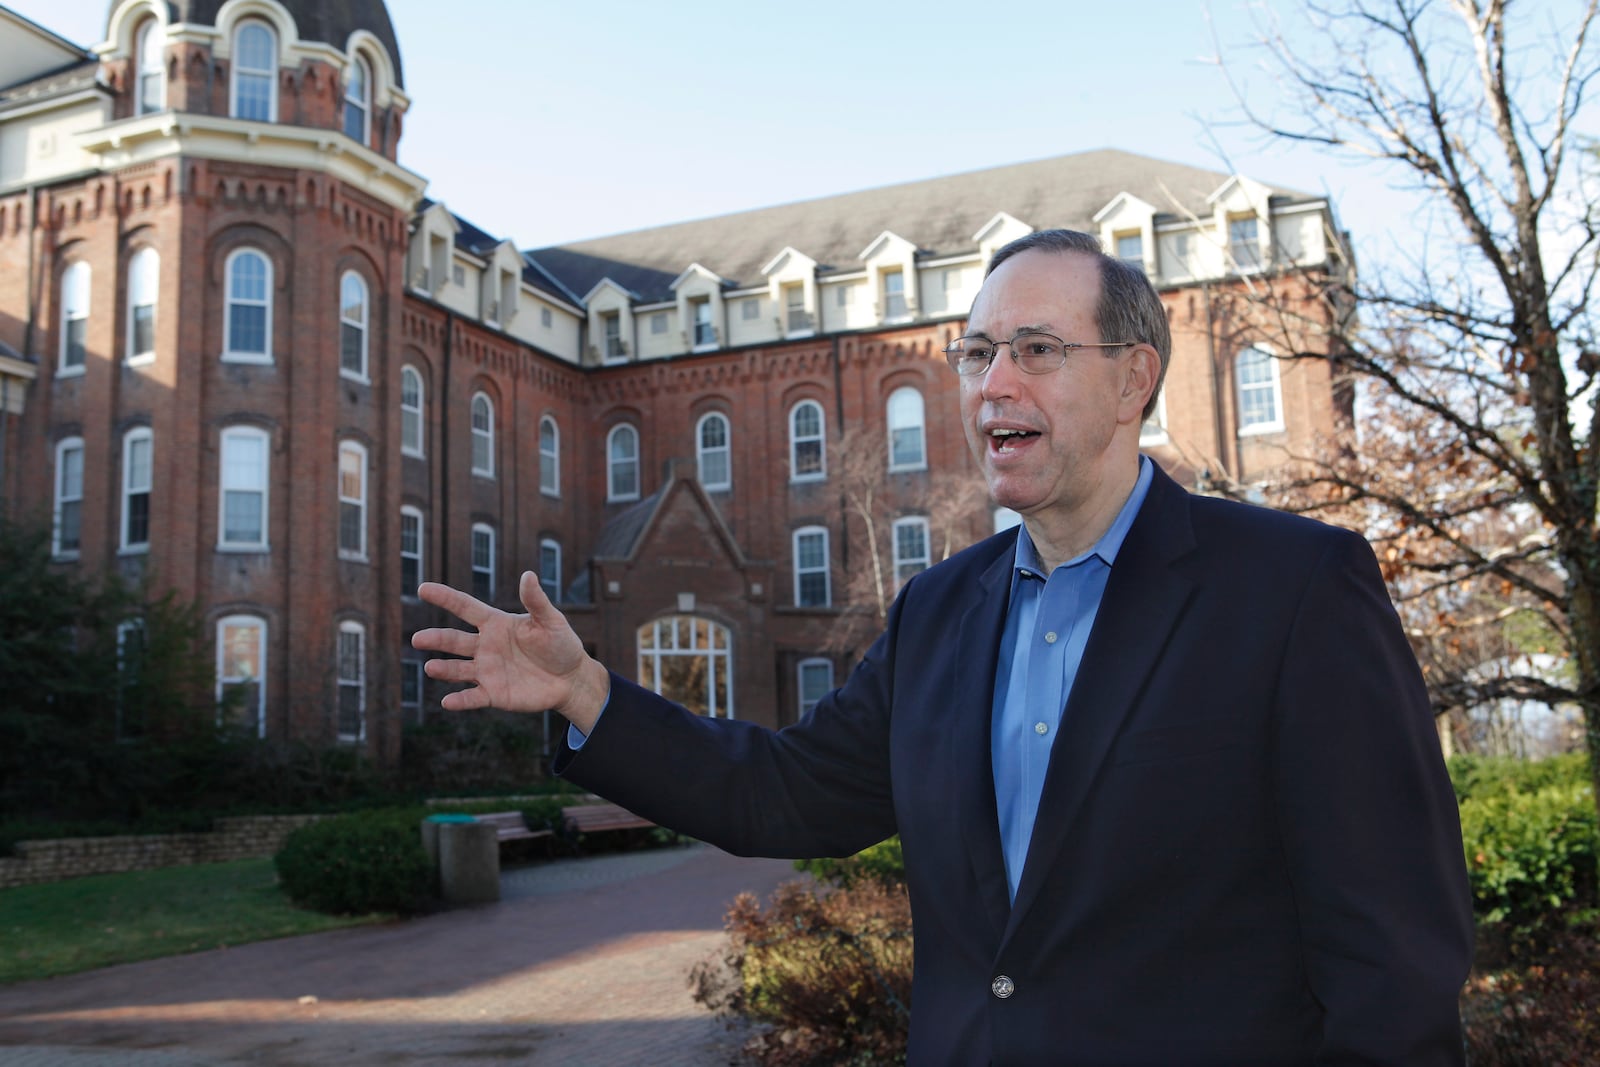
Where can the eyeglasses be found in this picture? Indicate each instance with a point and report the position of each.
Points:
(1033, 353)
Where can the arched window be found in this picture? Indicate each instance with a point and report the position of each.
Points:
(242, 672)
(1260, 392)
(688, 660)
(74, 318)
(410, 411)
(711, 452)
(816, 680)
(255, 73)
(812, 586)
(68, 525)
(242, 498)
(410, 551)
(352, 501)
(549, 457)
(358, 100)
(150, 58)
(550, 568)
(352, 696)
(137, 455)
(144, 280)
(249, 314)
(622, 463)
(353, 326)
(806, 455)
(482, 435)
(907, 451)
(910, 548)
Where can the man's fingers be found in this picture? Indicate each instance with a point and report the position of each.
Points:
(464, 700)
(468, 609)
(536, 602)
(451, 670)
(450, 642)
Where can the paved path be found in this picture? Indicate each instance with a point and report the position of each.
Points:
(584, 962)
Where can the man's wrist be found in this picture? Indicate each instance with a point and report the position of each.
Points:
(591, 688)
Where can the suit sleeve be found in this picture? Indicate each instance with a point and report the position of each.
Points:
(817, 788)
(1370, 826)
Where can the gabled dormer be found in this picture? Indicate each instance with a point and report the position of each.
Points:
(891, 263)
(502, 279)
(428, 260)
(1242, 217)
(995, 234)
(1128, 230)
(792, 285)
(610, 306)
(700, 308)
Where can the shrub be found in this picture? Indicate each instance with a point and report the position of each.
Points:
(355, 864)
(1530, 857)
(1478, 776)
(883, 863)
(829, 973)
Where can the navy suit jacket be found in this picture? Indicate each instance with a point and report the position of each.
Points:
(1247, 850)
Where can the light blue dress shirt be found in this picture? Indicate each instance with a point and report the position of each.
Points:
(1047, 626)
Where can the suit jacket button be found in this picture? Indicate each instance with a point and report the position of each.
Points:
(1003, 986)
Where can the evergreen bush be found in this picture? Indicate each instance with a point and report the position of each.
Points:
(369, 861)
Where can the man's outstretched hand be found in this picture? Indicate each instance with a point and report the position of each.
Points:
(531, 662)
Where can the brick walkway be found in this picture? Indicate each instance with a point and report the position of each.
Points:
(583, 963)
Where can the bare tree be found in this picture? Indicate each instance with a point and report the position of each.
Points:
(1471, 460)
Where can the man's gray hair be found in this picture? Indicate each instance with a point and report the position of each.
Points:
(1128, 309)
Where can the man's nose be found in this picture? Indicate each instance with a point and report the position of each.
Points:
(1002, 376)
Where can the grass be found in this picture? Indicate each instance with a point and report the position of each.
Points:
(77, 925)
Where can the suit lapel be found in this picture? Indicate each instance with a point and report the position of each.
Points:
(970, 752)
(1143, 600)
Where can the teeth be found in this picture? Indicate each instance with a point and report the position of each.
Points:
(1007, 433)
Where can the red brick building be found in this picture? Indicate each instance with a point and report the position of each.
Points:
(242, 355)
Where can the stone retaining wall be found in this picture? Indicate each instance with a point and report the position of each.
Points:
(73, 857)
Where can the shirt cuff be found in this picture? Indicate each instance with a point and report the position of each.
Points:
(576, 737)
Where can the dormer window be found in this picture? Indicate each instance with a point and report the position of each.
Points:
(611, 324)
(255, 73)
(894, 294)
(152, 82)
(1244, 244)
(358, 100)
(1130, 249)
(796, 318)
(704, 332)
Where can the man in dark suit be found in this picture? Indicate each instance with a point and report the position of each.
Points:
(1163, 767)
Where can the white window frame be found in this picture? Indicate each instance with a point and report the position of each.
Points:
(483, 562)
(1135, 236)
(1274, 384)
(925, 560)
(352, 461)
(889, 295)
(550, 574)
(345, 679)
(703, 452)
(612, 347)
(358, 96)
(549, 456)
(408, 590)
(482, 435)
(144, 289)
(1245, 254)
(411, 669)
(796, 439)
(897, 412)
(613, 464)
(68, 478)
(259, 712)
(140, 436)
(666, 642)
(411, 412)
(700, 309)
(351, 283)
(270, 73)
(149, 57)
(801, 571)
(231, 298)
(801, 702)
(261, 437)
(75, 291)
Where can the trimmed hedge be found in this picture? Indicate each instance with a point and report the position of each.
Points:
(356, 864)
(883, 863)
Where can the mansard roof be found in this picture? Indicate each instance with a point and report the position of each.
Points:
(940, 216)
(329, 21)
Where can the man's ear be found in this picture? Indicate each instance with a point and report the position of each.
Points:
(1139, 382)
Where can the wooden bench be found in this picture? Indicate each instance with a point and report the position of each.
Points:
(509, 826)
(598, 818)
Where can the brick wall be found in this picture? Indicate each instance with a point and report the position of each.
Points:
(75, 857)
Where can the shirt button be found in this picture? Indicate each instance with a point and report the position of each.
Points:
(1040, 728)
(1003, 986)
(1050, 638)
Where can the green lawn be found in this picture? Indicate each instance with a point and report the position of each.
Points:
(77, 925)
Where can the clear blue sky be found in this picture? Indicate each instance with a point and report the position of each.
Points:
(552, 121)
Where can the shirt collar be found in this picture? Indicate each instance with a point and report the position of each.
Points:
(1027, 557)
